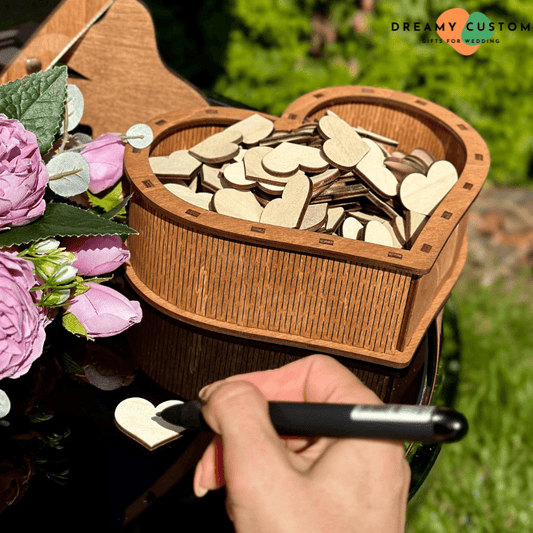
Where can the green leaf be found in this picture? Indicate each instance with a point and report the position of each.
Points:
(72, 324)
(118, 210)
(62, 220)
(108, 202)
(38, 102)
(69, 364)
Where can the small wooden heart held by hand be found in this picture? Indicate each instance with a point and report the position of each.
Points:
(136, 417)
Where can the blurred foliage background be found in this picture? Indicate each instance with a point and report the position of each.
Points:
(266, 53)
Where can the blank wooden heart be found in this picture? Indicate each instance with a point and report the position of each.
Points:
(375, 136)
(322, 180)
(199, 199)
(422, 194)
(136, 417)
(211, 174)
(335, 217)
(374, 172)
(218, 148)
(287, 158)
(352, 228)
(344, 148)
(289, 210)
(235, 175)
(315, 216)
(238, 204)
(414, 223)
(254, 169)
(253, 129)
(179, 163)
(269, 188)
(377, 233)
(427, 157)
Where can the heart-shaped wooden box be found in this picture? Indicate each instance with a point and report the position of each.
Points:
(297, 288)
(291, 287)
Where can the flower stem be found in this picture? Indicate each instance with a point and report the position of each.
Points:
(66, 173)
(126, 137)
(66, 135)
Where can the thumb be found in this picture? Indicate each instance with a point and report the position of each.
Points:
(253, 456)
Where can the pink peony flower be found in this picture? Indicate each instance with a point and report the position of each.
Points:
(97, 255)
(104, 312)
(105, 156)
(23, 176)
(21, 322)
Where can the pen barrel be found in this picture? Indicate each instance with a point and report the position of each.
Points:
(394, 422)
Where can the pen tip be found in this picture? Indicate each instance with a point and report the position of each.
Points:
(450, 425)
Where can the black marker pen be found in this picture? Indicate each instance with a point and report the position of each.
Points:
(409, 423)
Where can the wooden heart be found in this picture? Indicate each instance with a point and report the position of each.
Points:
(315, 216)
(377, 233)
(238, 204)
(287, 158)
(254, 128)
(344, 148)
(199, 199)
(218, 148)
(235, 174)
(179, 163)
(372, 169)
(352, 228)
(289, 210)
(136, 417)
(421, 193)
(334, 218)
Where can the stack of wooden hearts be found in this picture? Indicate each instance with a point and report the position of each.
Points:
(326, 176)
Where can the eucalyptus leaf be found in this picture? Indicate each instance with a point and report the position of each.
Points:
(5, 404)
(140, 136)
(75, 108)
(62, 220)
(70, 184)
(78, 142)
(38, 102)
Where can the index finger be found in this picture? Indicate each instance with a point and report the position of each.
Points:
(316, 378)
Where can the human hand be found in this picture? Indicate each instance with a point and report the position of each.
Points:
(292, 485)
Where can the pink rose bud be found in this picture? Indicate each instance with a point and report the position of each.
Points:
(97, 255)
(105, 156)
(104, 312)
(21, 322)
(23, 176)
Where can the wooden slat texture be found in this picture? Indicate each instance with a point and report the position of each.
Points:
(183, 358)
(289, 286)
(208, 280)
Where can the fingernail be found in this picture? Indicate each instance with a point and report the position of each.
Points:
(200, 492)
(203, 393)
(208, 389)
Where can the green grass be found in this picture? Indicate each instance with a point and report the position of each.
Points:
(484, 483)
